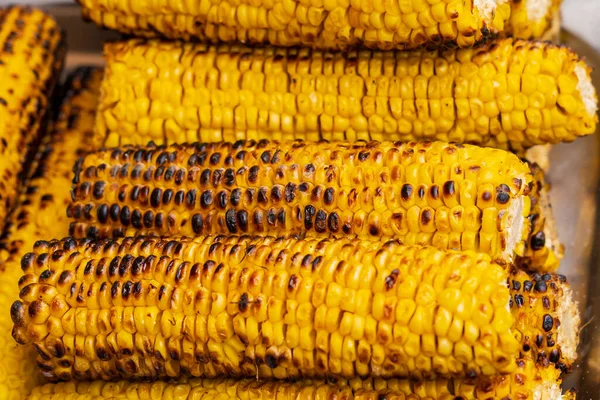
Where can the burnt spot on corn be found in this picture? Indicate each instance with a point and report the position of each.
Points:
(449, 189)
(406, 191)
(547, 322)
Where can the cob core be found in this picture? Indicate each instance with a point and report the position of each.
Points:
(508, 94)
(41, 214)
(143, 308)
(401, 25)
(31, 56)
(529, 383)
(450, 196)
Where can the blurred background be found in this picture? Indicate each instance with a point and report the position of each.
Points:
(580, 16)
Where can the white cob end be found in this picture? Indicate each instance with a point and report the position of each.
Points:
(570, 323)
(586, 88)
(538, 9)
(515, 223)
(487, 8)
(547, 391)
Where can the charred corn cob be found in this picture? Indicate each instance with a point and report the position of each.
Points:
(41, 214)
(543, 251)
(330, 25)
(506, 94)
(529, 383)
(278, 308)
(453, 197)
(31, 56)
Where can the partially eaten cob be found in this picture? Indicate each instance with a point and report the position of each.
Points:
(41, 214)
(449, 196)
(529, 383)
(31, 56)
(143, 308)
(509, 94)
(400, 25)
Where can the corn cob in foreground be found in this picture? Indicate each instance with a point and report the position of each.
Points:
(529, 383)
(41, 214)
(400, 25)
(144, 308)
(449, 196)
(508, 94)
(31, 56)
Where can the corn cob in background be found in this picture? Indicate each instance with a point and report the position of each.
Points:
(450, 196)
(142, 308)
(507, 94)
(529, 383)
(31, 56)
(41, 214)
(400, 25)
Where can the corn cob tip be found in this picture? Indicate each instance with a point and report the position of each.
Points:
(586, 88)
(570, 324)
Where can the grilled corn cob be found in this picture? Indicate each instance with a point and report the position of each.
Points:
(457, 197)
(277, 308)
(41, 214)
(330, 25)
(31, 56)
(529, 383)
(508, 94)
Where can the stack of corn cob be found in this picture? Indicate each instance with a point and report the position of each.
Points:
(204, 219)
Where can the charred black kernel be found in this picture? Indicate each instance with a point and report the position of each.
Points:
(155, 197)
(262, 195)
(519, 300)
(258, 219)
(91, 232)
(250, 195)
(321, 221)
(486, 196)
(526, 347)
(539, 340)
(206, 199)
(502, 197)
(309, 169)
(179, 197)
(115, 211)
(554, 356)
(290, 192)
(222, 199)
(125, 264)
(125, 216)
(242, 219)
(316, 194)
(215, 158)
(449, 189)
(170, 173)
(240, 155)
(115, 289)
(434, 191)
(303, 187)
(391, 279)
(230, 220)
(197, 223)
(253, 174)
(426, 217)
(271, 217)
(406, 191)
(135, 193)
(421, 192)
(281, 216)
(124, 171)
(190, 199)
(516, 285)
(265, 157)
(147, 175)
(159, 221)
(243, 302)
(271, 361)
(122, 194)
(329, 196)
(205, 177)
(136, 219)
(148, 219)
(561, 278)
(236, 195)
(158, 174)
(167, 196)
(309, 213)
(548, 322)
(87, 211)
(540, 286)
(276, 193)
(229, 177)
(193, 160)
(102, 213)
(162, 158)
(333, 222)
(546, 303)
(363, 155)
(527, 286)
(126, 291)
(538, 241)
(179, 176)
(550, 341)
(99, 189)
(547, 277)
